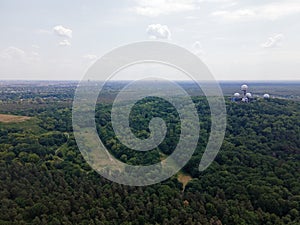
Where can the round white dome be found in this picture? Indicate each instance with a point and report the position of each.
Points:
(244, 87)
(266, 96)
(249, 95)
(237, 95)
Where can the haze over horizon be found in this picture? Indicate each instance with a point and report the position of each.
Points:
(237, 40)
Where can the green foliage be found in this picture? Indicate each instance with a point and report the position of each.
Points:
(253, 180)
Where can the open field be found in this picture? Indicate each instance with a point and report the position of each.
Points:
(12, 119)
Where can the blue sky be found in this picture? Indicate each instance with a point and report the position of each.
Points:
(243, 40)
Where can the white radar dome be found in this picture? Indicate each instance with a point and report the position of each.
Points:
(249, 95)
(244, 87)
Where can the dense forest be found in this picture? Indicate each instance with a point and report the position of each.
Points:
(254, 179)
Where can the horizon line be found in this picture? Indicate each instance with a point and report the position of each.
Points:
(78, 80)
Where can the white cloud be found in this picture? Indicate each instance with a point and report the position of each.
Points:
(236, 15)
(198, 49)
(43, 31)
(153, 8)
(12, 53)
(273, 41)
(64, 43)
(218, 1)
(62, 31)
(90, 57)
(158, 31)
(271, 11)
(35, 46)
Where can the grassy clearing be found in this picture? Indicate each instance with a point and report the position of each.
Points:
(184, 179)
(30, 124)
(4, 118)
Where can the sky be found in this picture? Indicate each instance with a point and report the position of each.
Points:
(236, 39)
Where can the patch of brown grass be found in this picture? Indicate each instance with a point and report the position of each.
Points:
(184, 179)
(12, 119)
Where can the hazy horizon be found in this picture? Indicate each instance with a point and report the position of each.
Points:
(232, 81)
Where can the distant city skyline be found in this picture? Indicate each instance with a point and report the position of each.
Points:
(237, 40)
